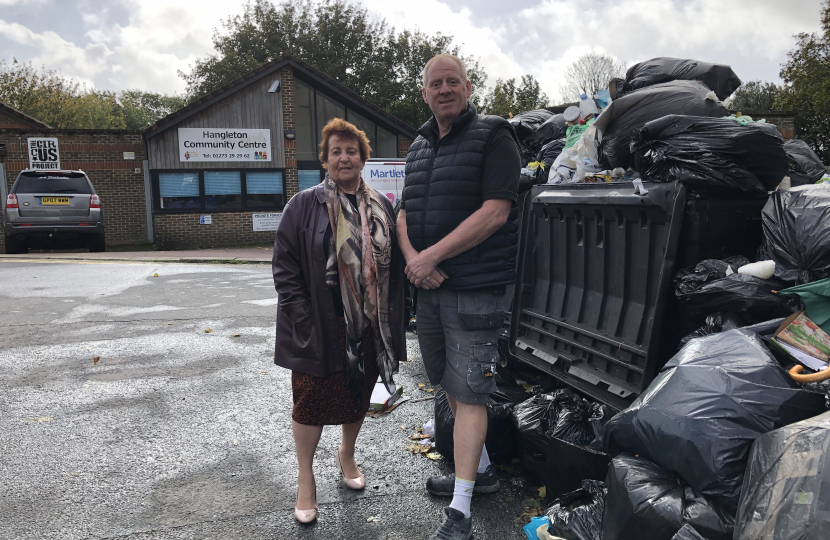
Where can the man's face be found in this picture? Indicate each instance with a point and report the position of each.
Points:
(446, 92)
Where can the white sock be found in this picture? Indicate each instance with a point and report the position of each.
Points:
(484, 462)
(462, 495)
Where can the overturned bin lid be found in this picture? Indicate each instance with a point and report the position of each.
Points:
(594, 305)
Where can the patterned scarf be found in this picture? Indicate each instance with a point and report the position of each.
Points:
(359, 263)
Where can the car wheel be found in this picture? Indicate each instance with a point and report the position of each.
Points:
(97, 243)
(15, 246)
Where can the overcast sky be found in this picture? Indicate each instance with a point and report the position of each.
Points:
(121, 44)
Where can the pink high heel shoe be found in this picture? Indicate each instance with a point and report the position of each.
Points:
(351, 483)
(307, 516)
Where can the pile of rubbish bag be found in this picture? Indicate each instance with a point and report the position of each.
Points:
(718, 77)
(578, 515)
(711, 155)
(714, 286)
(536, 128)
(731, 438)
(556, 425)
(805, 167)
(787, 493)
(634, 110)
(665, 121)
(647, 502)
(796, 230)
(703, 411)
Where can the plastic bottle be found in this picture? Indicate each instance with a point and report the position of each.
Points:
(587, 107)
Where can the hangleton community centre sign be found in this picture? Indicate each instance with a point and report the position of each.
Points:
(221, 144)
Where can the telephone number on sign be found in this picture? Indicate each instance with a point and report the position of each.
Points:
(229, 156)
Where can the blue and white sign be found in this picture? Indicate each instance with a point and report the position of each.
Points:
(386, 177)
(205, 220)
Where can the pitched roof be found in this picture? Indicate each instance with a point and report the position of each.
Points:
(23, 117)
(316, 76)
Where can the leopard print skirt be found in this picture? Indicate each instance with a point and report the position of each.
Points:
(327, 401)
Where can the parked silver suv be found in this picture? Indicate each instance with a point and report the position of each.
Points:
(47, 206)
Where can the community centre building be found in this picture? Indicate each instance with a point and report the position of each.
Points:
(217, 172)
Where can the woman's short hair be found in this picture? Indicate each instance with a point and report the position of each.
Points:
(345, 130)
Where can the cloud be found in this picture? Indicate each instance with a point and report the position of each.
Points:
(142, 44)
(159, 39)
(543, 40)
(432, 16)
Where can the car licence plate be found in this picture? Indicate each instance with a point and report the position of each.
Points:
(54, 201)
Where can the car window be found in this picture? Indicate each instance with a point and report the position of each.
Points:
(53, 183)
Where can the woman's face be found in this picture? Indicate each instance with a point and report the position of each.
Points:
(344, 163)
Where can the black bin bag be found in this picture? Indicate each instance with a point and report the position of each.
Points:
(645, 502)
(693, 278)
(568, 464)
(687, 532)
(547, 155)
(578, 515)
(750, 296)
(715, 323)
(786, 493)
(526, 125)
(700, 415)
(444, 425)
(717, 77)
(805, 167)
(797, 233)
(711, 155)
(633, 111)
(536, 416)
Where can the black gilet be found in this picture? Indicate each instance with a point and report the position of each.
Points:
(443, 188)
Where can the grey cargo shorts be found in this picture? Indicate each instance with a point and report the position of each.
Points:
(458, 333)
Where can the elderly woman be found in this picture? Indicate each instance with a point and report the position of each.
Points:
(340, 321)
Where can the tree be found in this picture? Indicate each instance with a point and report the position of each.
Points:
(412, 50)
(64, 103)
(806, 91)
(338, 38)
(142, 109)
(505, 99)
(754, 96)
(590, 73)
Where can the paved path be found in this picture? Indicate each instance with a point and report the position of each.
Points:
(219, 255)
(177, 433)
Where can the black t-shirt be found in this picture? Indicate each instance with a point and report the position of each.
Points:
(335, 292)
(502, 168)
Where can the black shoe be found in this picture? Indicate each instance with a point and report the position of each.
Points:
(455, 527)
(486, 482)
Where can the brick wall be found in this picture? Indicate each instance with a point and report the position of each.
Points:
(784, 121)
(289, 121)
(404, 143)
(9, 121)
(101, 155)
(183, 231)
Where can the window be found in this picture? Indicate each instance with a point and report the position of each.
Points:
(264, 188)
(219, 190)
(308, 179)
(179, 190)
(223, 189)
(314, 109)
(367, 127)
(306, 145)
(387, 144)
(326, 110)
(52, 182)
